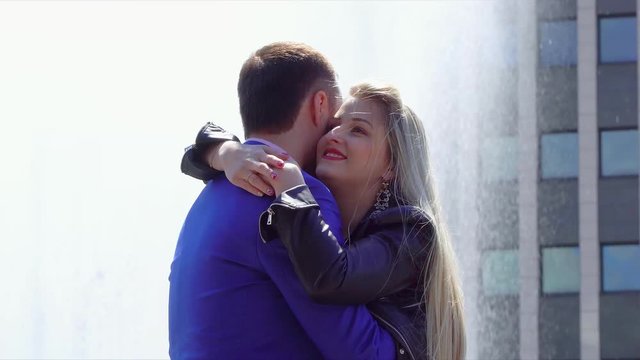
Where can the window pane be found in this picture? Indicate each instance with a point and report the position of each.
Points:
(619, 153)
(500, 158)
(558, 41)
(621, 267)
(618, 39)
(560, 270)
(559, 155)
(500, 272)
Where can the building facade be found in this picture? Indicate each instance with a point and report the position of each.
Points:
(561, 278)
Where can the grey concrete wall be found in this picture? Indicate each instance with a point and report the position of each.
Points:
(529, 257)
(616, 7)
(620, 324)
(499, 328)
(617, 95)
(558, 212)
(557, 99)
(556, 9)
(618, 209)
(559, 327)
(502, 108)
(588, 179)
(503, 215)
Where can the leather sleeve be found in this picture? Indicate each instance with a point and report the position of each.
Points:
(192, 163)
(371, 267)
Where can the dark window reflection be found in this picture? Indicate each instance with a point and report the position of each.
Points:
(560, 270)
(618, 39)
(500, 159)
(558, 43)
(619, 152)
(500, 272)
(559, 155)
(621, 267)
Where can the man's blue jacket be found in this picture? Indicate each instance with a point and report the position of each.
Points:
(234, 297)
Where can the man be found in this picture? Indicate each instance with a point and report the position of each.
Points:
(233, 296)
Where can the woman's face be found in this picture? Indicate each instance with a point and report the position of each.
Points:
(356, 152)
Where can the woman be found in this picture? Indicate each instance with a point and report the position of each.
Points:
(398, 258)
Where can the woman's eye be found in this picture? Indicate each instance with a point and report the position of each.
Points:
(358, 130)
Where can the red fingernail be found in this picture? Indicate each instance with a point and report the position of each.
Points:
(270, 192)
(281, 164)
(274, 175)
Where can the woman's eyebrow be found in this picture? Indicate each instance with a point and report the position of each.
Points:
(363, 120)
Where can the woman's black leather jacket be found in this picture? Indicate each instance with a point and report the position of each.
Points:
(381, 266)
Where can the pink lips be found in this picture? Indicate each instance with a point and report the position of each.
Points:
(333, 154)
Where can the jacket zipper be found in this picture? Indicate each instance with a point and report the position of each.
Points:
(270, 216)
(272, 212)
(405, 344)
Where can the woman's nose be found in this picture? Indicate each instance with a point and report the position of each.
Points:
(335, 134)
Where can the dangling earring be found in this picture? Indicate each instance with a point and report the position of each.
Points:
(382, 199)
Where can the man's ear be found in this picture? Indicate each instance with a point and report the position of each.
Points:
(320, 109)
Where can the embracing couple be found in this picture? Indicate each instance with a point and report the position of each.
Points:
(325, 238)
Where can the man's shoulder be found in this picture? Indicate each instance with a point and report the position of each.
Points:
(221, 193)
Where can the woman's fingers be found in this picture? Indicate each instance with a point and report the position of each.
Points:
(269, 156)
(256, 173)
(258, 183)
(263, 170)
(271, 151)
(245, 185)
(251, 182)
(288, 177)
(272, 160)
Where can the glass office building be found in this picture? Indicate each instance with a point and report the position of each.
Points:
(561, 280)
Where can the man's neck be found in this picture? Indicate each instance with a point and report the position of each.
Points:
(289, 142)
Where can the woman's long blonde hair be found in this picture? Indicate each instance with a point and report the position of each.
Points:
(414, 185)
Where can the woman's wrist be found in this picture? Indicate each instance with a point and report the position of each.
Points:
(212, 157)
(288, 177)
(223, 153)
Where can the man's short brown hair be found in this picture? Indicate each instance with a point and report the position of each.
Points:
(275, 80)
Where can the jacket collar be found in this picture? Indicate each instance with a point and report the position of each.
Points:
(265, 142)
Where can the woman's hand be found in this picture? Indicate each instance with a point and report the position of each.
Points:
(247, 166)
(287, 177)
